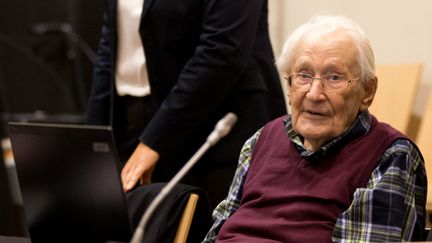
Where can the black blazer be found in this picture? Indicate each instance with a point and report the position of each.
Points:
(204, 58)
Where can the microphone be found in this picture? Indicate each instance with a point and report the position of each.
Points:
(222, 128)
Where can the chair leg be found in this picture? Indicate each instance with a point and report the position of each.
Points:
(186, 219)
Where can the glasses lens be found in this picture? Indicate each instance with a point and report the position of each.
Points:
(301, 81)
(334, 82)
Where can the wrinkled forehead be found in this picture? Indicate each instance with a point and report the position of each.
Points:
(332, 45)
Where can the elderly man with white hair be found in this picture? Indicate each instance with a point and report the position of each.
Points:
(329, 171)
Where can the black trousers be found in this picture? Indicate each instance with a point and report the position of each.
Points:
(135, 113)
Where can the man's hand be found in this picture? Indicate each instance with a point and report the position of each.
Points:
(139, 166)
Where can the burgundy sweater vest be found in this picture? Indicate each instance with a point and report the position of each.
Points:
(288, 198)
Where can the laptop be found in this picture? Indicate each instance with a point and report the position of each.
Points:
(70, 183)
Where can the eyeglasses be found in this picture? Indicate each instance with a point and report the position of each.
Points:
(331, 83)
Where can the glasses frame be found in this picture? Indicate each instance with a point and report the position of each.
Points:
(290, 77)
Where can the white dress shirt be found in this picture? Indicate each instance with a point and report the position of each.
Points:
(131, 70)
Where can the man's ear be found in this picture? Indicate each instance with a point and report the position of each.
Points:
(370, 88)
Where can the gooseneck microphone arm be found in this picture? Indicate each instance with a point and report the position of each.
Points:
(223, 127)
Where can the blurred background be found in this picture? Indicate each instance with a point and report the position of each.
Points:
(46, 57)
(47, 50)
(46, 54)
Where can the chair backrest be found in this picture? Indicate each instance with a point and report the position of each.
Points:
(424, 142)
(394, 99)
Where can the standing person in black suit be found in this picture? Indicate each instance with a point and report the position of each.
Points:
(168, 70)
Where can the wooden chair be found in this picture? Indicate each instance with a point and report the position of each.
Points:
(394, 99)
(424, 142)
(186, 219)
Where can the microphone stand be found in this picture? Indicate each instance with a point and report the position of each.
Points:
(222, 128)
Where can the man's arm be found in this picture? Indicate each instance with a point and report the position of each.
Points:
(209, 76)
(392, 206)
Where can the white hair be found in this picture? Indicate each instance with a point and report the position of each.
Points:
(320, 25)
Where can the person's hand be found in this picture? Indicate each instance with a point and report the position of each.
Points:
(139, 166)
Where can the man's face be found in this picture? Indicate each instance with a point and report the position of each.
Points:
(319, 115)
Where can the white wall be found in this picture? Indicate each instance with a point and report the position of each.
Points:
(400, 31)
